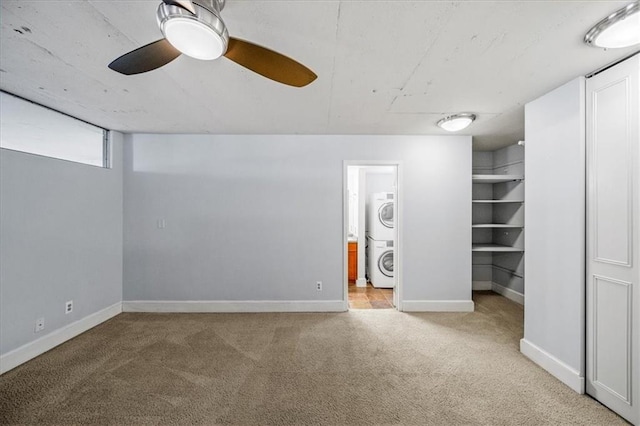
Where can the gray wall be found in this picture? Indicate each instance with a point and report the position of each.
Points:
(61, 239)
(482, 162)
(260, 217)
(379, 181)
(555, 212)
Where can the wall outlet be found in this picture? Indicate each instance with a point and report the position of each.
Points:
(68, 307)
(161, 223)
(39, 325)
(319, 285)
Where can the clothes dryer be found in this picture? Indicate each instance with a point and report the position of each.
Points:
(380, 218)
(380, 263)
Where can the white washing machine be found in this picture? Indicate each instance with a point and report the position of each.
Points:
(380, 263)
(380, 217)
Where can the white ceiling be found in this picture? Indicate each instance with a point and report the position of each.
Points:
(384, 67)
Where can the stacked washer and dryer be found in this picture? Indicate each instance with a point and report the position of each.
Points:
(380, 238)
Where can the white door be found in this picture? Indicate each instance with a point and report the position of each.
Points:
(396, 247)
(613, 246)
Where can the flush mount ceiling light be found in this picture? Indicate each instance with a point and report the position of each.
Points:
(620, 29)
(456, 122)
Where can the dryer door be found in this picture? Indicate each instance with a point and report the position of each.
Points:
(385, 214)
(385, 263)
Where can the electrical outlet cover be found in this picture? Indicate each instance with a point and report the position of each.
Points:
(39, 325)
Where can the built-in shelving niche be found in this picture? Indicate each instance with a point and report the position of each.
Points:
(498, 222)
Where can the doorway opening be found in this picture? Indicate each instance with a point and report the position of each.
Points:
(371, 235)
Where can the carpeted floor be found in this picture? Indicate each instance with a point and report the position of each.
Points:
(359, 367)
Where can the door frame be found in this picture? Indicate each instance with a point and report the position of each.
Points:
(399, 208)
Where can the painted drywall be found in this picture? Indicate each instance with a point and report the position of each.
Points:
(379, 181)
(353, 184)
(61, 240)
(260, 217)
(482, 162)
(555, 214)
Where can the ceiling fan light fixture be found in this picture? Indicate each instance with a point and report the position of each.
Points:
(195, 28)
(620, 29)
(456, 122)
(193, 38)
(201, 36)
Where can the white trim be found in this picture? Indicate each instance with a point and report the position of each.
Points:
(26, 352)
(234, 306)
(481, 285)
(438, 306)
(345, 232)
(554, 366)
(362, 234)
(508, 293)
(398, 253)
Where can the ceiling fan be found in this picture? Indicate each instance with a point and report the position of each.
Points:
(195, 28)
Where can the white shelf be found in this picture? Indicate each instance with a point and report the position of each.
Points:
(495, 248)
(497, 201)
(495, 178)
(495, 225)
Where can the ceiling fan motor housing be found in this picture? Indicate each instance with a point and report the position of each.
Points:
(202, 35)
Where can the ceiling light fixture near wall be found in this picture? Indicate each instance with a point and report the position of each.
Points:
(456, 122)
(620, 29)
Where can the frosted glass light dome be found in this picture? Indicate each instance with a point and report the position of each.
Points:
(193, 38)
(201, 35)
(620, 29)
(456, 122)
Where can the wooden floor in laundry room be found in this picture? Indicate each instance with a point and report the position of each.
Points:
(370, 297)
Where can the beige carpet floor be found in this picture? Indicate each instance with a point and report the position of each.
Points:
(359, 367)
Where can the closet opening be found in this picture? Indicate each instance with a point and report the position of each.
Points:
(371, 212)
(498, 222)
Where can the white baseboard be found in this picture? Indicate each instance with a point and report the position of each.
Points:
(508, 293)
(24, 353)
(566, 374)
(481, 285)
(233, 306)
(361, 282)
(437, 306)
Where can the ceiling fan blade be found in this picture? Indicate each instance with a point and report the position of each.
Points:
(145, 58)
(185, 4)
(268, 63)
